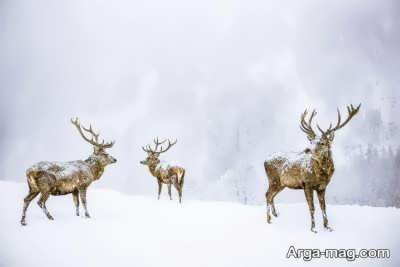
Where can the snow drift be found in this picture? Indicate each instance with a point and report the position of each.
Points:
(141, 231)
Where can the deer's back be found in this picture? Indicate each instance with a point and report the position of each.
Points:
(289, 169)
(166, 172)
(59, 177)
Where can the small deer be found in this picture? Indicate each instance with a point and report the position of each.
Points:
(73, 177)
(169, 175)
(310, 170)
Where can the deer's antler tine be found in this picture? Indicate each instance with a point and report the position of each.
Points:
(306, 127)
(319, 128)
(351, 111)
(109, 144)
(169, 145)
(339, 119)
(94, 140)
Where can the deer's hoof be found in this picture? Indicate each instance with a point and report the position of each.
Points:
(50, 217)
(329, 228)
(23, 223)
(269, 219)
(87, 216)
(275, 214)
(314, 231)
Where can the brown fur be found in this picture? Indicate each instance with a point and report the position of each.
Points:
(61, 178)
(310, 170)
(169, 175)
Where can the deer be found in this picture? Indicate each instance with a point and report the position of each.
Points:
(73, 177)
(310, 170)
(169, 175)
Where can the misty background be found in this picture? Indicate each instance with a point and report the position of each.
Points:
(228, 79)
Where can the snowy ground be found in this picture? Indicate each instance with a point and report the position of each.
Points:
(141, 231)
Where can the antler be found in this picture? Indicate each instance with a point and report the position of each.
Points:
(94, 140)
(168, 147)
(351, 113)
(306, 126)
(157, 143)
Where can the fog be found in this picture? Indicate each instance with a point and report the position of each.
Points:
(227, 79)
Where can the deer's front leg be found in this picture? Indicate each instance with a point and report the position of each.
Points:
(310, 201)
(321, 199)
(159, 189)
(269, 199)
(82, 195)
(75, 197)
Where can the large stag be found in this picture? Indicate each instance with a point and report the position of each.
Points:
(310, 170)
(169, 175)
(73, 177)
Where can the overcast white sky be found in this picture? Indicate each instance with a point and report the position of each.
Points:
(228, 79)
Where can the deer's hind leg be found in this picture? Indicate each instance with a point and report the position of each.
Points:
(42, 204)
(169, 191)
(274, 212)
(181, 186)
(274, 187)
(271, 192)
(45, 183)
(27, 200)
(178, 186)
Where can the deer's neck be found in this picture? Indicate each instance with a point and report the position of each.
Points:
(153, 170)
(95, 166)
(323, 162)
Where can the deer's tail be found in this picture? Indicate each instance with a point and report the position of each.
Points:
(181, 180)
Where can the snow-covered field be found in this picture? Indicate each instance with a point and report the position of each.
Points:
(141, 231)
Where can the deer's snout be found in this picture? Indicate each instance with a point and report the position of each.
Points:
(113, 160)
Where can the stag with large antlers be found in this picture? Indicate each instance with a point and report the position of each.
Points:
(169, 175)
(310, 170)
(73, 177)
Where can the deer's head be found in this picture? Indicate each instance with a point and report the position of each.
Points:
(99, 147)
(153, 154)
(327, 136)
